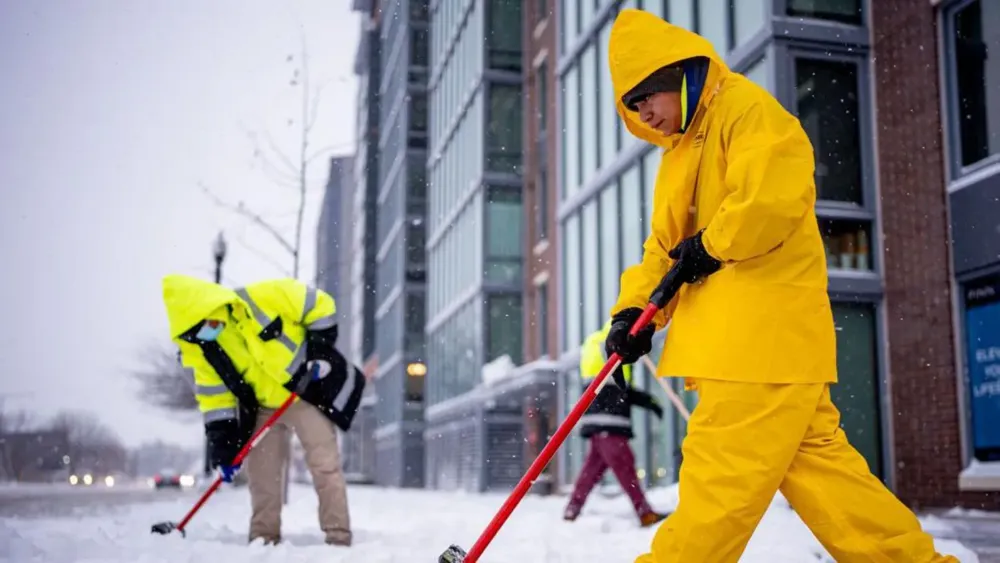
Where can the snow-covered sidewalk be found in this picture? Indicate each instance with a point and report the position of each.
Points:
(391, 526)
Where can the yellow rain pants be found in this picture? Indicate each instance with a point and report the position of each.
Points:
(746, 441)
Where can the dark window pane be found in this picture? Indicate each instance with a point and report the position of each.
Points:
(503, 135)
(828, 109)
(419, 10)
(846, 11)
(416, 185)
(418, 47)
(542, 203)
(856, 393)
(418, 112)
(505, 327)
(503, 40)
(542, 319)
(847, 244)
(541, 10)
(977, 112)
(414, 323)
(504, 240)
(541, 97)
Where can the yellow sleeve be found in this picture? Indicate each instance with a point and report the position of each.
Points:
(770, 184)
(639, 281)
(215, 401)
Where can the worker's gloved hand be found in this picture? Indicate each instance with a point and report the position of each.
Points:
(630, 348)
(693, 260)
(228, 472)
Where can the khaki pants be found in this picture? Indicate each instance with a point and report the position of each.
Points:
(266, 461)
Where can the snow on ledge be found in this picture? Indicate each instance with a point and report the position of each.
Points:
(980, 476)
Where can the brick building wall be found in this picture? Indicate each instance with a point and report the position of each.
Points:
(922, 367)
(541, 264)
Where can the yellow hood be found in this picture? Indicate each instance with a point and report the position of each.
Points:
(641, 44)
(191, 300)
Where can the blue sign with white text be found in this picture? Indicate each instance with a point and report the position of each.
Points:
(982, 329)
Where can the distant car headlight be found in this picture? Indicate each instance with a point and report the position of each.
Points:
(109, 481)
(73, 479)
(88, 479)
(187, 480)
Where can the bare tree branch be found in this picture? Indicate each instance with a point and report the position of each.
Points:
(314, 107)
(263, 257)
(241, 209)
(280, 153)
(163, 381)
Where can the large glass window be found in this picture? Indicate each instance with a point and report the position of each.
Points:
(857, 392)
(416, 253)
(748, 18)
(846, 11)
(570, 22)
(505, 327)
(503, 135)
(847, 243)
(503, 238)
(610, 123)
(591, 275)
(571, 132)
(633, 232)
(571, 282)
(682, 14)
(503, 41)
(760, 73)
(588, 113)
(610, 237)
(416, 313)
(828, 109)
(713, 23)
(976, 111)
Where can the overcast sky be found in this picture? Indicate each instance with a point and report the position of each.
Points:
(111, 113)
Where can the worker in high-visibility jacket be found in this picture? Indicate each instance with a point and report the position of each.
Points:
(249, 349)
(607, 425)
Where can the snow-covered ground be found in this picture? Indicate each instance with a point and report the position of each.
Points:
(390, 525)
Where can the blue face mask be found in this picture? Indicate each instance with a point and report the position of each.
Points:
(209, 333)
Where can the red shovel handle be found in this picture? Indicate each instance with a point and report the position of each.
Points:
(664, 292)
(238, 459)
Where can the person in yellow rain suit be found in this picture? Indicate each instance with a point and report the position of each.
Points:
(249, 349)
(752, 330)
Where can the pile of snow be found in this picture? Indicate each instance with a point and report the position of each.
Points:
(390, 526)
(497, 370)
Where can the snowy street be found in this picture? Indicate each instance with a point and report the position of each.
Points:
(390, 526)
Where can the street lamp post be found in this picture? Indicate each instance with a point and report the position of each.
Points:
(219, 254)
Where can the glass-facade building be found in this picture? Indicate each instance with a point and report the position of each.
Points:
(814, 57)
(474, 240)
(400, 256)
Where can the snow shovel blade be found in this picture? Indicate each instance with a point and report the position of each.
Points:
(453, 554)
(164, 528)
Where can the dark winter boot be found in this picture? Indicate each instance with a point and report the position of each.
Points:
(571, 513)
(650, 518)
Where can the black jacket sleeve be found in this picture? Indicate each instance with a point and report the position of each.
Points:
(643, 399)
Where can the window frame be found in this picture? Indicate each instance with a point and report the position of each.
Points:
(955, 170)
(786, 53)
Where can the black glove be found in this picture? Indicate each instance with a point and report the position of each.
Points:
(225, 440)
(630, 348)
(694, 261)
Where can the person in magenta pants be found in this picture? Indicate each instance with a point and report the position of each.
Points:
(607, 425)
